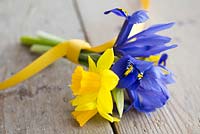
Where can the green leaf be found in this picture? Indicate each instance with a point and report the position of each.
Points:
(118, 95)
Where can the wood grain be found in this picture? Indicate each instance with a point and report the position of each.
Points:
(40, 105)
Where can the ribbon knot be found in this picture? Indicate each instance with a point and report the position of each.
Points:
(73, 49)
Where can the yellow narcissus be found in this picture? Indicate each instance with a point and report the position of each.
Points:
(93, 89)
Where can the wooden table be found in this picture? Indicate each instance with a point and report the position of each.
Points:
(41, 105)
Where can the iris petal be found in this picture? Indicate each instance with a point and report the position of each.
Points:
(149, 41)
(126, 81)
(163, 59)
(143, 51)
(120, 66)
(142, 65)
(158, 49)
(153, 29)
(118, 11)
(167, 78)
(150, 84)
(148, 100)
(138, 17)
(124, 33)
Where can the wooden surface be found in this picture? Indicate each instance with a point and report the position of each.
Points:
(41, 105)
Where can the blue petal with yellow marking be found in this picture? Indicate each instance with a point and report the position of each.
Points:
(145, 83)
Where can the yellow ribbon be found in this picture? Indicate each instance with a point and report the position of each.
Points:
(71, 49)
(103, 47)
(145, 4)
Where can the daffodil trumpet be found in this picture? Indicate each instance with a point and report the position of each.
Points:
(133, 62)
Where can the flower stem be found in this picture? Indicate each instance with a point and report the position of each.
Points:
(29, 41)
(49, 37)
(37, 48)
(42, 38)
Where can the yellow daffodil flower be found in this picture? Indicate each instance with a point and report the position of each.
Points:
(93, 89)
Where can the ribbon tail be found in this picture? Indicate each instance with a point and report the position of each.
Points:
(36, 66)
(145, 4)
(103, 47)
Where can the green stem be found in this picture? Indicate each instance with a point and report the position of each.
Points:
(49, 37)
(29, 41)
(42, 38)
(39, 48)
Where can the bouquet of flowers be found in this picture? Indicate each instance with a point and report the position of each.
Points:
(133, 62)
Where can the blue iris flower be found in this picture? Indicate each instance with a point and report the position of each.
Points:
(146, 43)
(145, 83)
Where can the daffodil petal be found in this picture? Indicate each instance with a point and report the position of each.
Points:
(109, 79)
(90, 83)
(81, 99)
(106, 60)
(83, 116)
(92, 65)
(86, 106)
(76, 78)
(84, 82)
(104, 101)
(107, 116)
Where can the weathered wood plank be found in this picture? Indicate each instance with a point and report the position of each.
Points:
(181, 114)
(40, 104)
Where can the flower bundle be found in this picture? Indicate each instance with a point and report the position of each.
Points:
(132, 63)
